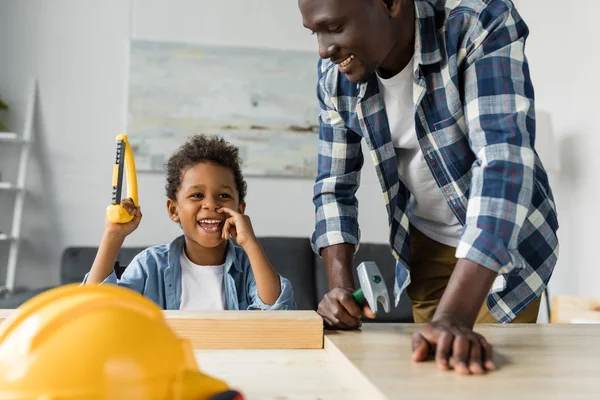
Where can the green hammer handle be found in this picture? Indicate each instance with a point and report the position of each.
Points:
(359, 296)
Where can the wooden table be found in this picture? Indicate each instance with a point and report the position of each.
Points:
(534, 362)
(285, 355)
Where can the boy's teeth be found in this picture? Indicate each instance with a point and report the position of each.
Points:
(210, 224)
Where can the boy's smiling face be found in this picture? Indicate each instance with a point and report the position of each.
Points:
(205, 188)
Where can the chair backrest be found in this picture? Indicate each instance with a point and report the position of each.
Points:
(77, 261)
(292, 257)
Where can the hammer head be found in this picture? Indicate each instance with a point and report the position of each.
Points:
(373, 286)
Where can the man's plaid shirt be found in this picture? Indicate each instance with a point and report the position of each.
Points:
(475, 123)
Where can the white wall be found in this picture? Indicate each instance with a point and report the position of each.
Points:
(564, 55)
(79, 52)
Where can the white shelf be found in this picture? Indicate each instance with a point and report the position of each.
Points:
(25, 138)
(8, 136)
(11, 137)
(8, 186)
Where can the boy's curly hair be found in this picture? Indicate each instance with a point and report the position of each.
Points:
(203, 148)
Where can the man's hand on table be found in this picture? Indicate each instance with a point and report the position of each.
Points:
(448, 336)
(340, 311)
(450, 333)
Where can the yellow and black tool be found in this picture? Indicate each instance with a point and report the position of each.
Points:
(115, 211)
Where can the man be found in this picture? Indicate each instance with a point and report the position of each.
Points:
(441, 93)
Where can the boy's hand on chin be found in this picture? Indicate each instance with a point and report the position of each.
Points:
(238, 226)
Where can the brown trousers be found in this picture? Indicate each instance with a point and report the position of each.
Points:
(432, 264)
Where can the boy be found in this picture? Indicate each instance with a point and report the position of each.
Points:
(203, 269)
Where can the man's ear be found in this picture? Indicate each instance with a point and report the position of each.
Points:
(242, 207)
(173, 210)
(393, 7)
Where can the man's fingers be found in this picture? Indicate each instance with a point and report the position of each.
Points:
(340, 309)
(420, 347)
(443, 349)
(331, 321)
(368, 312)
(487, 354)
(349, 304)
(475, 362)
(460, 352)
(329, 324)
(340, 313)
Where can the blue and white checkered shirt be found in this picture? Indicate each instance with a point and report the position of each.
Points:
(475, 123)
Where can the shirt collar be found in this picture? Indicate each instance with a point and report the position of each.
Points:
(427, 48)
(176, 247)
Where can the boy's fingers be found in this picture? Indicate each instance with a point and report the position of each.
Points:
(226, 210)
(225, 230)
(228, 228)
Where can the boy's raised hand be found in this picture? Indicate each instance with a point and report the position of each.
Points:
(237, 225)
(123, 230)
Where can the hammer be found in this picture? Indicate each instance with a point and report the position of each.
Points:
(372, 287)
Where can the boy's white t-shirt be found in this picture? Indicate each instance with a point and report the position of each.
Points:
(201, 286)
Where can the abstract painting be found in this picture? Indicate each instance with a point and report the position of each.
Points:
(262, 100)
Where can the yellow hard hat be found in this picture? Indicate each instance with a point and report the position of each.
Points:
(97, 342)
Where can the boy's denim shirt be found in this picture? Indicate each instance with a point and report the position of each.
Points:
(156, 273)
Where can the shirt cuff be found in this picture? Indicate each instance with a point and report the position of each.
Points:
(331, 238)
(285, 301)
(487, 250)
(112, 278)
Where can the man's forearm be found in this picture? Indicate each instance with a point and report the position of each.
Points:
(338, 264)
(466, 291)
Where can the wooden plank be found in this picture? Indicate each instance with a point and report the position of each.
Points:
(231, 329)
(534, 361)
(288, 374)
(249, 329)
(571, 309)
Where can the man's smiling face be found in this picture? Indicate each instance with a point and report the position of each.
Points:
(355, 34)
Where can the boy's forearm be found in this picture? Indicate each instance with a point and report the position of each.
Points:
(267, 279)
(105, 258)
